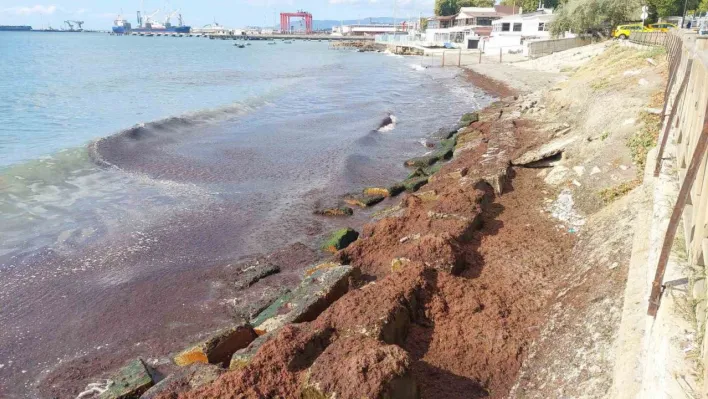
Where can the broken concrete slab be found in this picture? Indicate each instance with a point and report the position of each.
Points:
(370, 369)
(243, 357)
(218, 348)
(363, 200)
(322, 287)
(548, 150)
(129, 382)
(340, 239)
(255, 272)
(185, 379)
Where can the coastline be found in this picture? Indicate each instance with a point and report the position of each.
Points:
(81, 369)
(464, 287)
(455, 224)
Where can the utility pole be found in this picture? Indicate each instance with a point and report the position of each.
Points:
(683, 19)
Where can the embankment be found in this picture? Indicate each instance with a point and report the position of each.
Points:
(501, 274)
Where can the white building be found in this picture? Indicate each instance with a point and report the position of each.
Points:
(512, 32)
(367, 29)
(466, 28)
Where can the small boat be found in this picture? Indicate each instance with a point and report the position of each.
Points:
(248, 44)
(271, 43)
(239, 45)
(288, 42)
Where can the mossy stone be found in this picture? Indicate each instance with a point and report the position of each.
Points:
(470, 117)
(341, 211)
(415, 183)
(340, 239)
(129, 382)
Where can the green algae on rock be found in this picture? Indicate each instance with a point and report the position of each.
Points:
(129, 382)
(340, 239)
(340, 211)
(415, 183)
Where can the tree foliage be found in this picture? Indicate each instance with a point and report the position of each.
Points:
(666, 8)
(531, 5)
(452, 7)
(580, 16)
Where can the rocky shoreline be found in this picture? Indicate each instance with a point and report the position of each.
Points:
(420, 290)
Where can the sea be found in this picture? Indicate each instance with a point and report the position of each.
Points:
(131, 166)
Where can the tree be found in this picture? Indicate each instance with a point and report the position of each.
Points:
(452, 7)
(580, 16)
(666, 8)
(530, 5)
(445, 7)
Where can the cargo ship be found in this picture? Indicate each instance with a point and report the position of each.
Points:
(17, 28)
(150, 25)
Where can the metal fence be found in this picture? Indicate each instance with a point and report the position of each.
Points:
(649, 38)
(548, 47)
(686, 125)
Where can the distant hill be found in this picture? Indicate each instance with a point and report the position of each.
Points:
(327, 24)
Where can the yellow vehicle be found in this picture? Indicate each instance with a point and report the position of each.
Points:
(661, 27)
(623, 31)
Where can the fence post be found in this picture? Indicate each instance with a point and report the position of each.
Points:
(500, 55)
(480, 56)
(459, 58)
(443, 59)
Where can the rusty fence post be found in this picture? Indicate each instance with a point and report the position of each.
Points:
(684, 194)
(674, 107)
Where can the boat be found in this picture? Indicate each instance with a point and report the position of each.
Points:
(271, 43)
(150, 25)
(240, 45)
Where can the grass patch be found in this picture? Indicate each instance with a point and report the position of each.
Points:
(611, 194)
(643, 140)
(600, 84)
(655, 52)
(605, 135)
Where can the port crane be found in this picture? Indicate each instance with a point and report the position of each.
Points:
(172, 14)
(71, 23)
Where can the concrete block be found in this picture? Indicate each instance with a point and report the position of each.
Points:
(218, 348)
(185, 379)
(129, 382)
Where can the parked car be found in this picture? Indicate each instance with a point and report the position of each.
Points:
(661, 27)
(623, 31)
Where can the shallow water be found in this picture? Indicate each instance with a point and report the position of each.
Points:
(106, 231)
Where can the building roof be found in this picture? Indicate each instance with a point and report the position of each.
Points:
(480, 12)
(542, 15)
(443, 18)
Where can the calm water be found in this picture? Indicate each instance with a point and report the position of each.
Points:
(103, 224)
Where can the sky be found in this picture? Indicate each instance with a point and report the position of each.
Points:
(99, 14)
